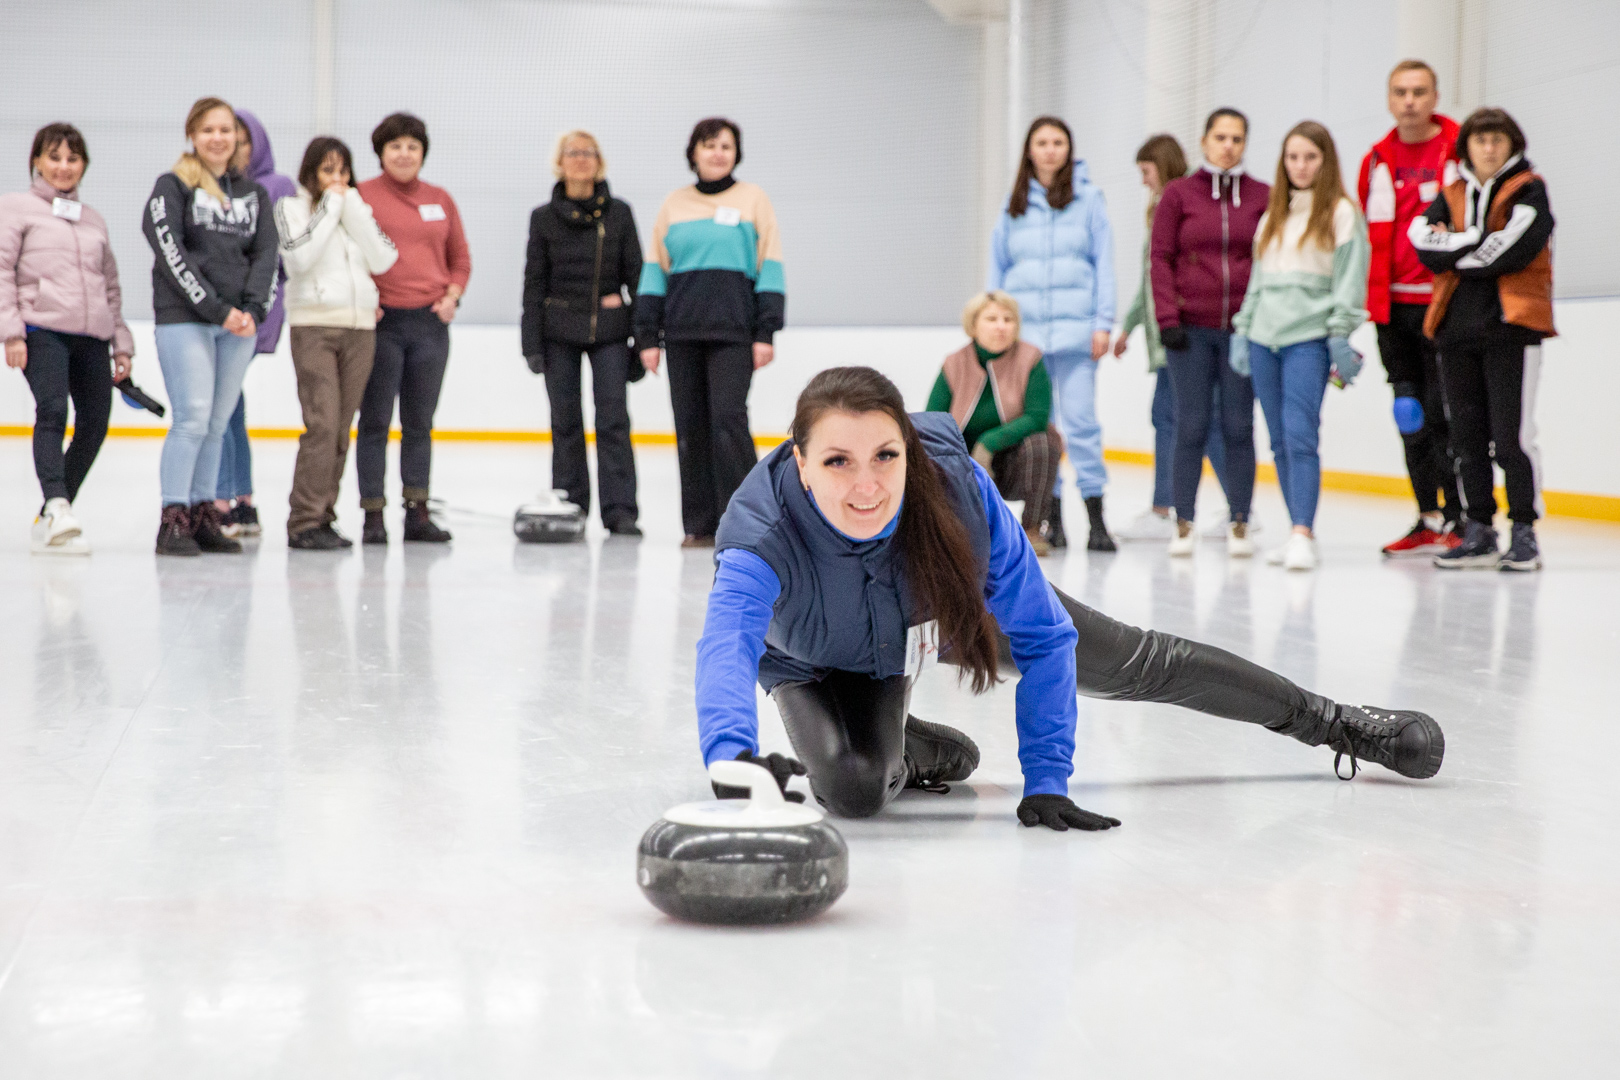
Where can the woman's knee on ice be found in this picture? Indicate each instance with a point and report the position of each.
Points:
(856, 785)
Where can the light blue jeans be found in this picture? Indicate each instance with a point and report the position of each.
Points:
(236, 456)
(203, 367)
(1290, 382)
(1074, 381)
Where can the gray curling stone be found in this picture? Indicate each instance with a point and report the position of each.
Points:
(743, 861)
(550, 519)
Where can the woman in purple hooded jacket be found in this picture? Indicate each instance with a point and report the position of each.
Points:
(257, 161)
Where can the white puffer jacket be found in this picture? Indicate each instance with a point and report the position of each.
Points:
(331, 249)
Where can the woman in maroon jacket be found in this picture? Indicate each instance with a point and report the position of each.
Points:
(1203, 236)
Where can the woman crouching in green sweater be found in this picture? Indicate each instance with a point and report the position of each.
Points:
(996, 389)
(1307, 292)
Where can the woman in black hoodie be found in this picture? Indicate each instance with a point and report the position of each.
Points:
(579, 287)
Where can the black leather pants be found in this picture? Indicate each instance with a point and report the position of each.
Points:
(849, 729)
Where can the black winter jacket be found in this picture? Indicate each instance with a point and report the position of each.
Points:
(210, 256)
(579, 252)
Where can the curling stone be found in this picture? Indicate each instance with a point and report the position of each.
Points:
(743, 861)
(550, 519)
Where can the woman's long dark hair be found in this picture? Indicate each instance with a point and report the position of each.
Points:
(1061, 193)
(940, 569)
(309, 170)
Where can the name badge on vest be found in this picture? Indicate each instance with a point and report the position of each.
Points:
(67, 208)
(431, 211)
(727, 215)
(922, 647)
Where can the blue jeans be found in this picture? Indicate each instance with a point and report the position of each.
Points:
(1164, 440)
(236, 456)
(1074, 379)
(203, 367)
(1290, 382)
(1196, 373)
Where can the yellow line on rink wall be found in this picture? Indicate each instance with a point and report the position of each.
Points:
(1573, 504)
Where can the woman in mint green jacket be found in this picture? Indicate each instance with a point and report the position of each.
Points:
(1307, 293)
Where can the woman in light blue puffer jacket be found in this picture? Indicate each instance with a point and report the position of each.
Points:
(1053, 250)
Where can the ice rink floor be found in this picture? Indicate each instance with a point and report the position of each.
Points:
(374, 815)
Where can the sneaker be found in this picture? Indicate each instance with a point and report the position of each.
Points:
(374, 531)
(1276, 555)
(624, 525)
(1038, 542)
(317, 538)
(420, 526)
(936, 754)
(175, 532)
(206, 529)
(1053, 526)
(1147, 526)
(1099, 540)
(343, 541)
(1410, 743)
(1476, 552)
(244, 519)
(1239, 545)
(56, 531)
(690, 541)
(1183, 542)
(1422, 540)
(1299, 553)
(1219, 526)
(1523, 553)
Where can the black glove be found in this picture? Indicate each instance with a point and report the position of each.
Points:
(1059, 812)
(1173, 337)
(782, 767)
(537, 363)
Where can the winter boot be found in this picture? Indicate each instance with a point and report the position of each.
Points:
(374, 531)
(1410, 743)
(935, 754)
(1099, 540)
(174, 534)
(207, 528)
(420, 526)
(1055, 536)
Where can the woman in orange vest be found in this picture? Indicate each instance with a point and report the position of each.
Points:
(1487, 238)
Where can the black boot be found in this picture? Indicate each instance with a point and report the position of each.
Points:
(374, 531)
(1099, 540)
(174, 534)
(936, 753)
(1055, 536)
(1410, 743)
(419, 524)
(207, 529)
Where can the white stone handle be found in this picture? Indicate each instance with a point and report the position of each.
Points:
(763, 791)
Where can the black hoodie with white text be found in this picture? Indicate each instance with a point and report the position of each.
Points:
(211, 256)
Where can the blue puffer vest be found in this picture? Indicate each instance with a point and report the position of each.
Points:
(843, 605)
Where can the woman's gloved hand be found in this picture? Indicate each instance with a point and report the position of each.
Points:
(1237, 355)
(1059, 812)
(1346, 361)
(983, 456)
(780, 766)
(1173, 338)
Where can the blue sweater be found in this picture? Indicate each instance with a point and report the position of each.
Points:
(1059, 266)
(746, 590)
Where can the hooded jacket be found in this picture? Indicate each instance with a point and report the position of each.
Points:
(58, 273)
(1493, 261)
(1394, 189)
(579, 252)
(1058, 265)
(211, 256)
(1203, 239)
(331, 247)
(262, 169)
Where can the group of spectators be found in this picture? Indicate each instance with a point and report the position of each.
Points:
(1248, 291)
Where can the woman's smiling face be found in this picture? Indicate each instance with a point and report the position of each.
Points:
(855, 466)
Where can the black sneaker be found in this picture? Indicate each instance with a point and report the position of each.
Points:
(1478, 550)
(623, 526)
(1410, 743)
(1523, 553)
(1099, 540)
(374, 531)
(207, 531)
(317, 538)
(420, 526)
(935, 754)
(1052, 528)
(343, 541)
(246, 520)
(174, 534)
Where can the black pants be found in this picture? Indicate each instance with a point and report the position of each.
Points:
(615, 463)
(708, 391)
(1410, 361)
(413, 348)
(1490, 401)
(1195, 373)
(63, 366)
(849, 729)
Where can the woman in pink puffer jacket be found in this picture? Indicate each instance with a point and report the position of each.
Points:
(59, 314)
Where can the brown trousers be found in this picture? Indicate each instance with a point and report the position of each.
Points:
(1029, 471)
(332, 366)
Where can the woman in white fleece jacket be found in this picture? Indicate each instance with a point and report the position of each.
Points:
(331, 247)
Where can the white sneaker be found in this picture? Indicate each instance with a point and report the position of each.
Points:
(1300, 552)
(1147, 526)
(56, 531)
(1219, 525)
(1275, 556)
(1238, 543)
(1184, 540)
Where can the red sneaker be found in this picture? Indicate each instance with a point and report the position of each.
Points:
(1421, 541)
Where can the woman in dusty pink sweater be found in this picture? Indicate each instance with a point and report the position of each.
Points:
(59, 317)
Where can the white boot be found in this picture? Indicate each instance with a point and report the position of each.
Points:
(56, 531)
(1300, 554)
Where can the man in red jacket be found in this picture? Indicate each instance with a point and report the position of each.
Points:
(1400, 177)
